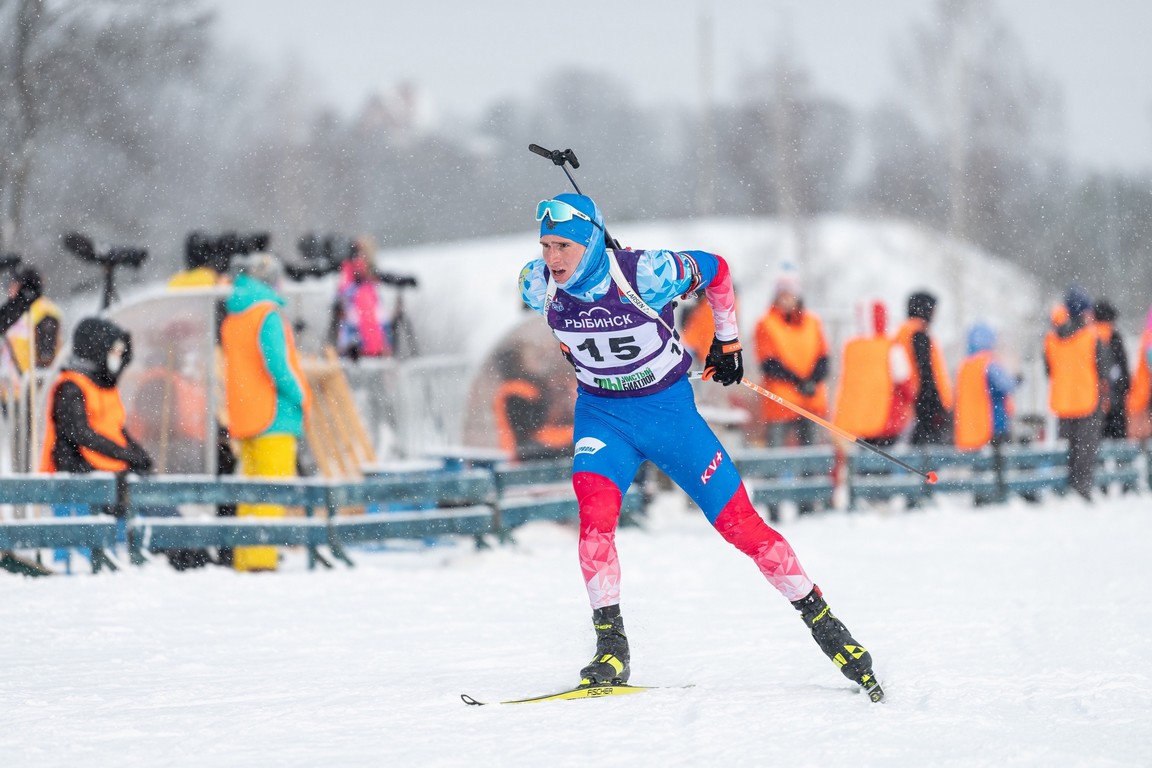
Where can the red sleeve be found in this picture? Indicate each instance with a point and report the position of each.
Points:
(722, 299)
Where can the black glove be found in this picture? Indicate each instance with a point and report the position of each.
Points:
(807, 387)
(31, 287)
(139, 462)
(724, 362)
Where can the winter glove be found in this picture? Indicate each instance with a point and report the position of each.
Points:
(139, 462)
(724, 362)
(807, 387)
(31, 287)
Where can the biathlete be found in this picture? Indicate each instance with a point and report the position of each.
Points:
(611, 310)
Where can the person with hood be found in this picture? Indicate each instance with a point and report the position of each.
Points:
(266, 393)
(1117, 380)
(612, 312)
(1076, 368)
(1140, 394)
(875, 388)
(932, 406)
(794, 360)
(85, 415)
(86, 420)
(983, 394)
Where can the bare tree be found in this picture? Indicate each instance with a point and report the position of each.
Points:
(982, 105)
(85, 92)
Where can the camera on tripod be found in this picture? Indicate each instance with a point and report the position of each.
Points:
(108, 258)
(324, 255)
(202, 250)
(114, 256)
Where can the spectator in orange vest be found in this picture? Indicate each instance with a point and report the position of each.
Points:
(267, 395)
(85, 430)
(85, 415)
(698, 329)
(794, 360)
(1117, 380)
(1074, 361)
(983, 394)
(1140, 394)
(523, 412)
(875, 382)
(932, 407)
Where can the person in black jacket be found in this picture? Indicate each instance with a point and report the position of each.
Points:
(1116, 374)
(85, 414)
(933, 404)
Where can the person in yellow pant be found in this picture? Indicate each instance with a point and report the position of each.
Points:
(266, 393)
(267, 456)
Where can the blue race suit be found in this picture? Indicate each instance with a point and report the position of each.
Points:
(635, 403)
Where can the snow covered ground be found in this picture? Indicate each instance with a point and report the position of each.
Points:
(1013, 635)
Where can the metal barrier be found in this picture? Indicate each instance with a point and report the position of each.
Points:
(491, 498)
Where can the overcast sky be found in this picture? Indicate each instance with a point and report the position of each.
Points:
(465, 55)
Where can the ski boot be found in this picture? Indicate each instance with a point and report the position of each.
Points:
(837, 643)
(610, 666)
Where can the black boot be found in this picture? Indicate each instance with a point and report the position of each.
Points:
(837, 643)
(610, 667)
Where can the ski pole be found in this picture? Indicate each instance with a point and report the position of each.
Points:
(929, 476)
(564, 158)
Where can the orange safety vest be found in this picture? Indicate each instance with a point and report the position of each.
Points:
(185, 400)
(105, 413)
(939, 370)
(699, 330)
(550, 435)
(864, 396)
(798, 346)
(973, 403)
(249, 390)
(1074, 383)
(1140, 391)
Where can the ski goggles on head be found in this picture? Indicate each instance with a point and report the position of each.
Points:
(560, 211)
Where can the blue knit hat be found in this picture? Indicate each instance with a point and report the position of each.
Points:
(576, 229)
(981, 338)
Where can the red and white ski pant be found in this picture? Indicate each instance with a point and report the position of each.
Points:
(738, 522)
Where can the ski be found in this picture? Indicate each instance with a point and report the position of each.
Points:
(579, 692)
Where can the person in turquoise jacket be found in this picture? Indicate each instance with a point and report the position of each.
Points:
(267, 393)
(276, 344)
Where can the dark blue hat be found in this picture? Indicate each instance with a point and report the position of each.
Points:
(1077, 301)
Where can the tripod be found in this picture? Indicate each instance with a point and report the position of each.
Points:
(403, 335)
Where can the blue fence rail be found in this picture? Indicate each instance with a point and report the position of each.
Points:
(473, 498)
